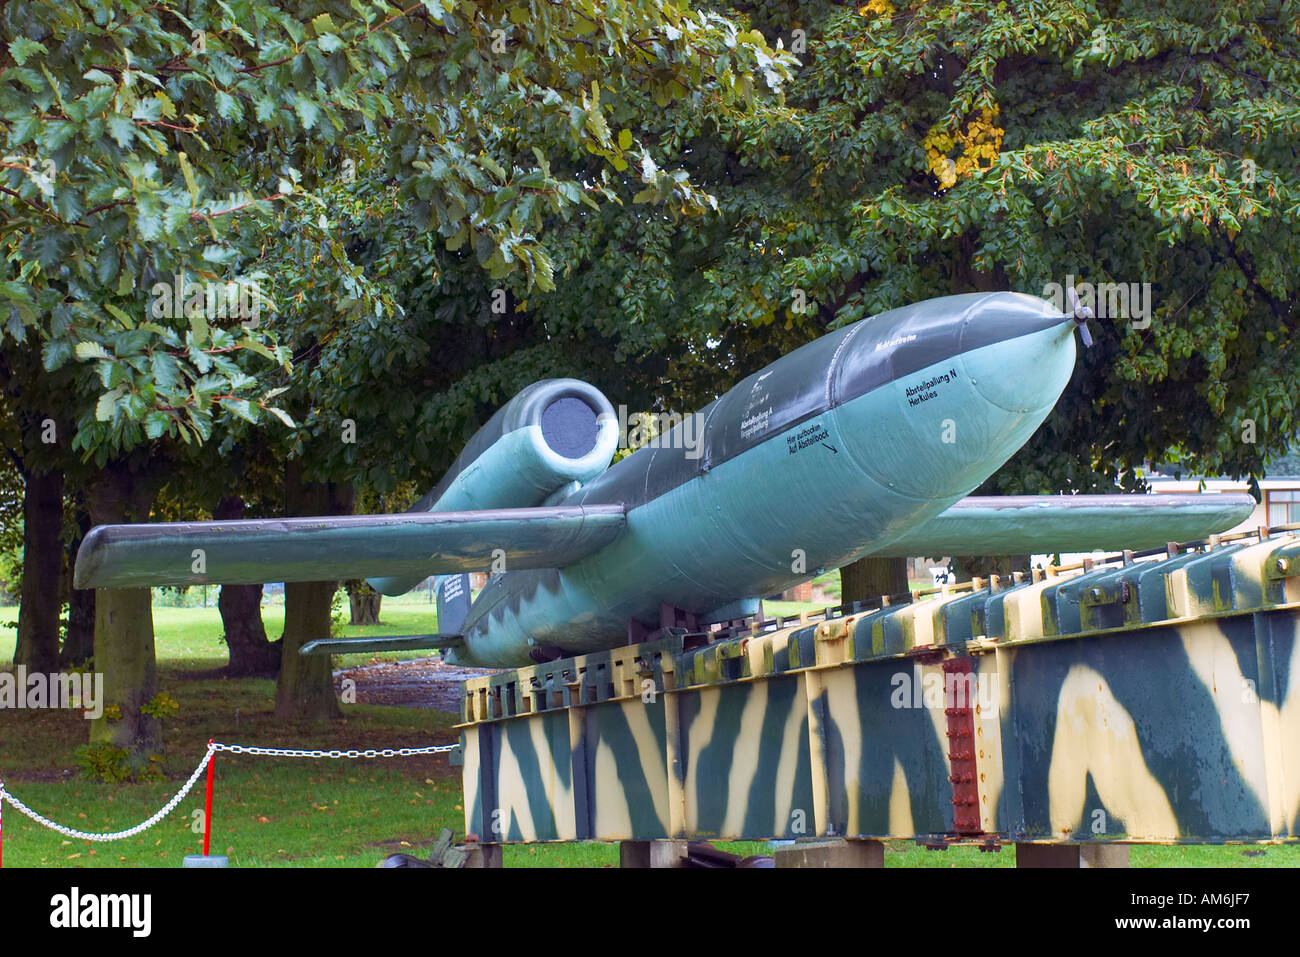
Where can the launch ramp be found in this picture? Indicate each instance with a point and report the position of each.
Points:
(1149, 699)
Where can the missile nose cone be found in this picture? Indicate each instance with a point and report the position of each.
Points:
(1026, 371)
(972, 377)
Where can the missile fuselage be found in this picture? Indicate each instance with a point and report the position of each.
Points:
(824, 456)
(866, 441)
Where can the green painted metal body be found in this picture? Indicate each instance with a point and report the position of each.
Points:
(1155, 701)
(862, 442)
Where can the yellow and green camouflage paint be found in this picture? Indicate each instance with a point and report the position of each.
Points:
(1138, 701)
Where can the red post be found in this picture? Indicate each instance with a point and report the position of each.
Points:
(207, 804)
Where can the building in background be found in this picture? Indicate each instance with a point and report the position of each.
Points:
(1280, 504)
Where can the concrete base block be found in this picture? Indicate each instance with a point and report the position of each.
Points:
(651, 853)
(831, 853)
(1072, 855)
(483, 855)
(1104, 855)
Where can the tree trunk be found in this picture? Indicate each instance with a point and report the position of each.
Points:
(39, 604)
(967, 567)
(124, 655)
(364, 602)
(241, 616)
(306, 685)
(124, 639)
(79, 643)
(869, 578)
(251, 653)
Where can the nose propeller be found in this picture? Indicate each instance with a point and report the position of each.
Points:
(1080, 314)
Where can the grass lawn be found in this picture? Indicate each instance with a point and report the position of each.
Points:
(189, 639)
(320, 813)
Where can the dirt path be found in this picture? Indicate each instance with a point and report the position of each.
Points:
(417, 683)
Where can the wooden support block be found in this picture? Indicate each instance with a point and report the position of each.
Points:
(651, 853)
(831, 853)
(1072, 855)
(483, 855)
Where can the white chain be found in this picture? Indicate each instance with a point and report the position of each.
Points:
(189, 785)
(116, 835)
(370, 753)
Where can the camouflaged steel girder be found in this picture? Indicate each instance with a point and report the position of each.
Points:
(1145, 701)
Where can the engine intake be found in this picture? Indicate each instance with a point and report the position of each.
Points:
(553, 434)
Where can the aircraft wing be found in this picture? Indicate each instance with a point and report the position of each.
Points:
(1039, 524)
(344, 546)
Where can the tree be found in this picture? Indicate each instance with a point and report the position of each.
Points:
(241, 615)
(38, 615)
(870, 578)
(363, 602)
(306, 685)
(950, 147)
(124, 635)
(29, 438)
(79, 639)
(147, 146)
(927, 149)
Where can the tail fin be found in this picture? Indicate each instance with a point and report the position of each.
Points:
(453, 601)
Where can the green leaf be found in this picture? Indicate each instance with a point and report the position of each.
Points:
(49, 248)
(282, 415)
(92, 350)
(241, 408)
(22, 48)
(254, 346)
(55, 354)
(166, 371)
(199, 329)
(308, 111)
(228, 107)
(108, 403)
(156, 424)
(68, 204)
(187, 171)
(121, 316)
(17, 295)
(24, 128)
(122, 130)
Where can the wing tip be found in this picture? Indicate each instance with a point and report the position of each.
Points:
(90, 558)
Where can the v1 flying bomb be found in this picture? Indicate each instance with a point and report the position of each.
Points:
(863, 442)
